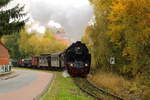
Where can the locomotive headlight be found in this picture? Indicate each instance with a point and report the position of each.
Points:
(78, 48)
(86, 65)
(71, 65)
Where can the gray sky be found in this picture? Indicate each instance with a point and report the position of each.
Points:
(72, 15)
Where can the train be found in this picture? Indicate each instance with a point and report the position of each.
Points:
(76, 59)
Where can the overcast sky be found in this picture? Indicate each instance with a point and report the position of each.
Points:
(72, 15)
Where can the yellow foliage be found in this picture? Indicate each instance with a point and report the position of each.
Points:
(118, 8)
(34, 44)
(121, 30)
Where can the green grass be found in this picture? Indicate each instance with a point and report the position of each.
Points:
(1, 73)
(30, 69)
(64, 89)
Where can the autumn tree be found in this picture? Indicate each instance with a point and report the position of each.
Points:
(97, 34)
(33, 44)
(121, 30)
(129, 33)
(12, 42)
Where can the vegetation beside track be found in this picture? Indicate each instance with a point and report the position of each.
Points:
(94, 91)
(119, 43)
(115, 84)
(64, 89)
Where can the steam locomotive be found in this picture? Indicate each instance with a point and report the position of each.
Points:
(76, 59)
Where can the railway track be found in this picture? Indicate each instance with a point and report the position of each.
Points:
(94, 91)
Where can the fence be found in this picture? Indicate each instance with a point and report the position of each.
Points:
(5, 68)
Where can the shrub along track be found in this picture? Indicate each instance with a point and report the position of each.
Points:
(94, 91)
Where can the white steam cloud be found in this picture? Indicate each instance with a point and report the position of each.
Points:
(72, 15)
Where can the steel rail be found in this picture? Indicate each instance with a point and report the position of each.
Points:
(94, 91)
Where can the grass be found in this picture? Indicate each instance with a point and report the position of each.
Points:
(22, 68)
(5, 72)
(110, 81)
(64, 89)
(120, 86)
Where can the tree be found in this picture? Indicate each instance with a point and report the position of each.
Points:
(12, 42)
(11, 19)
(33, 44)
(121, 30)
(129, 32)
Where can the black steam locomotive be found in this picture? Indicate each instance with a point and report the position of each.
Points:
(76, 59)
